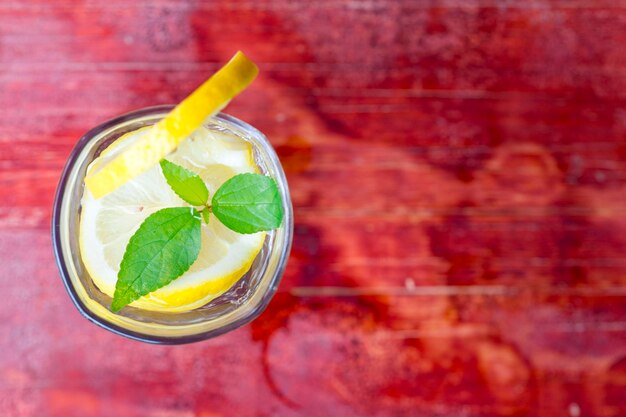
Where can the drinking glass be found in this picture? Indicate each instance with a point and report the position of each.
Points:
(239, 305)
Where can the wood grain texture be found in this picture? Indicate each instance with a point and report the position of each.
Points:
(458, 173)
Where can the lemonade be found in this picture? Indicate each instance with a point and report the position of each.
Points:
(174, 224)
(107, 223)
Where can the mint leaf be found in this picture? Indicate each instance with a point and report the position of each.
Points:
(186, 184)
(248, 203)
(205, 214)
(166, 244)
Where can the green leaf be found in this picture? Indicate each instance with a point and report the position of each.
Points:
(205, 214)
(166, 244)
(186, 184)
(248, 203)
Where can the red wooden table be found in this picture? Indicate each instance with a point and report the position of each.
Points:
(458, 172)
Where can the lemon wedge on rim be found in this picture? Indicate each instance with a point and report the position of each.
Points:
(207, 100)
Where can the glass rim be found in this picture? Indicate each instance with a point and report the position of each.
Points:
(57, 240)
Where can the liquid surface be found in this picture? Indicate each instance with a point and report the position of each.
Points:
(107, 224)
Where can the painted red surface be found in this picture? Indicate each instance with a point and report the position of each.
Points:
(458, 170)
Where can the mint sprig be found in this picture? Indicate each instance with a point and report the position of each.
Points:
(168, 242)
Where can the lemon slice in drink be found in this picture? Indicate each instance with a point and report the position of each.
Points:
(165, 136)
(107, 223)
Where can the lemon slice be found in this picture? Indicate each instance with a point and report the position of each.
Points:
(166, 135)
(106, 224)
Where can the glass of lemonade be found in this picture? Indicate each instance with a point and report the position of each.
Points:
(243, 300)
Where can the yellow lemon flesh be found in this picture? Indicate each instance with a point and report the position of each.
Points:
(107, 223)
(165, 136)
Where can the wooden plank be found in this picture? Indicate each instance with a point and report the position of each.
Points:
(522, 50)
